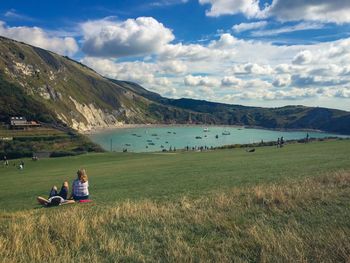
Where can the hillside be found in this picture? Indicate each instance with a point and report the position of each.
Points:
(42, 85)
(70, 92)
(215, 206)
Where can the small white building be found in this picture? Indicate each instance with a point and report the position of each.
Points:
(22, 123)
(17, 121)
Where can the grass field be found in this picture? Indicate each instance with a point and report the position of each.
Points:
(274, 205)
(31, 132)
(119, 176)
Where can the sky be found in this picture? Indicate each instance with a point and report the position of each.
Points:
(266, 53)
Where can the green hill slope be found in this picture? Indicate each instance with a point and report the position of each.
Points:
(43, 85)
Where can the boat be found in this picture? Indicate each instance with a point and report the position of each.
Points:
(154, 134)
(149, 140)
(226, 133)
(174, 132)
(169, 131)
(206, 130)
(198, 137)
(127, 144)
(151, 143)
(217, 136)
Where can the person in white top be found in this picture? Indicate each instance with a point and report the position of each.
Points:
(80, 187)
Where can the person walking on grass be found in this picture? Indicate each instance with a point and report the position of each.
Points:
(80, 187)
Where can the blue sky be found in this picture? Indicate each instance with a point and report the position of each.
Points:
(250, 52)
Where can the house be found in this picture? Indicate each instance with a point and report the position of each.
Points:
(21, 123)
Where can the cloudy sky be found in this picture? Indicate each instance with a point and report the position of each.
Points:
(264, 53)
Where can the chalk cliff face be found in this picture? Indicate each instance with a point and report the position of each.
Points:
(94, 117)
(42, 85)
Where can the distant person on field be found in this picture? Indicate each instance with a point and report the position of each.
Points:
(21, 165)
(56, 198)
(281, 142)
(6, 162)
(278, 142)
(80, 187)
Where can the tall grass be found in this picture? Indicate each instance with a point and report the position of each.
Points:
(301, 221)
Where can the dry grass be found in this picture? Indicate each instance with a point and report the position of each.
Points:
(304, 221)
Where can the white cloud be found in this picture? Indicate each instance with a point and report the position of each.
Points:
(165, 82)
(249, 26)
(342, 93)
(283, 68)
(230, 69)
(193, 52)
(282, 81)
(287, 29)
(150, 75)
(141, 72)
(38, 37)
(14, 15)
(249, 8)
(336, 11)
(252, 68)
(201, 81)
(188, 94)
(327, 70)
(226, 41)
(173, 67)
(272, 95)
(257, 84)
(132, 37)
(303, 57)
(231, 81)
(162, 3)
(306, 79)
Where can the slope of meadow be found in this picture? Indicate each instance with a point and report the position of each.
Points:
(274, 205)
(305, 221)
(168, 176)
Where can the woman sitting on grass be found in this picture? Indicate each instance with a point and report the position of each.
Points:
(56, 198)
(80, 187)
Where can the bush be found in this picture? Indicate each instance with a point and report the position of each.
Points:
(65, 153)
(17, 154)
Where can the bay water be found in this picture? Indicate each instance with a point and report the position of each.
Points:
(151, 139)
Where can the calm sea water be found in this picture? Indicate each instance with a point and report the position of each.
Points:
(150, 139)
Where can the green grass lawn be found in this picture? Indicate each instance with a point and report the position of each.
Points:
(274, 205)
(31, 132)
(114, 177)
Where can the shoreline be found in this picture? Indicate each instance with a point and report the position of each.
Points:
(135, 126)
